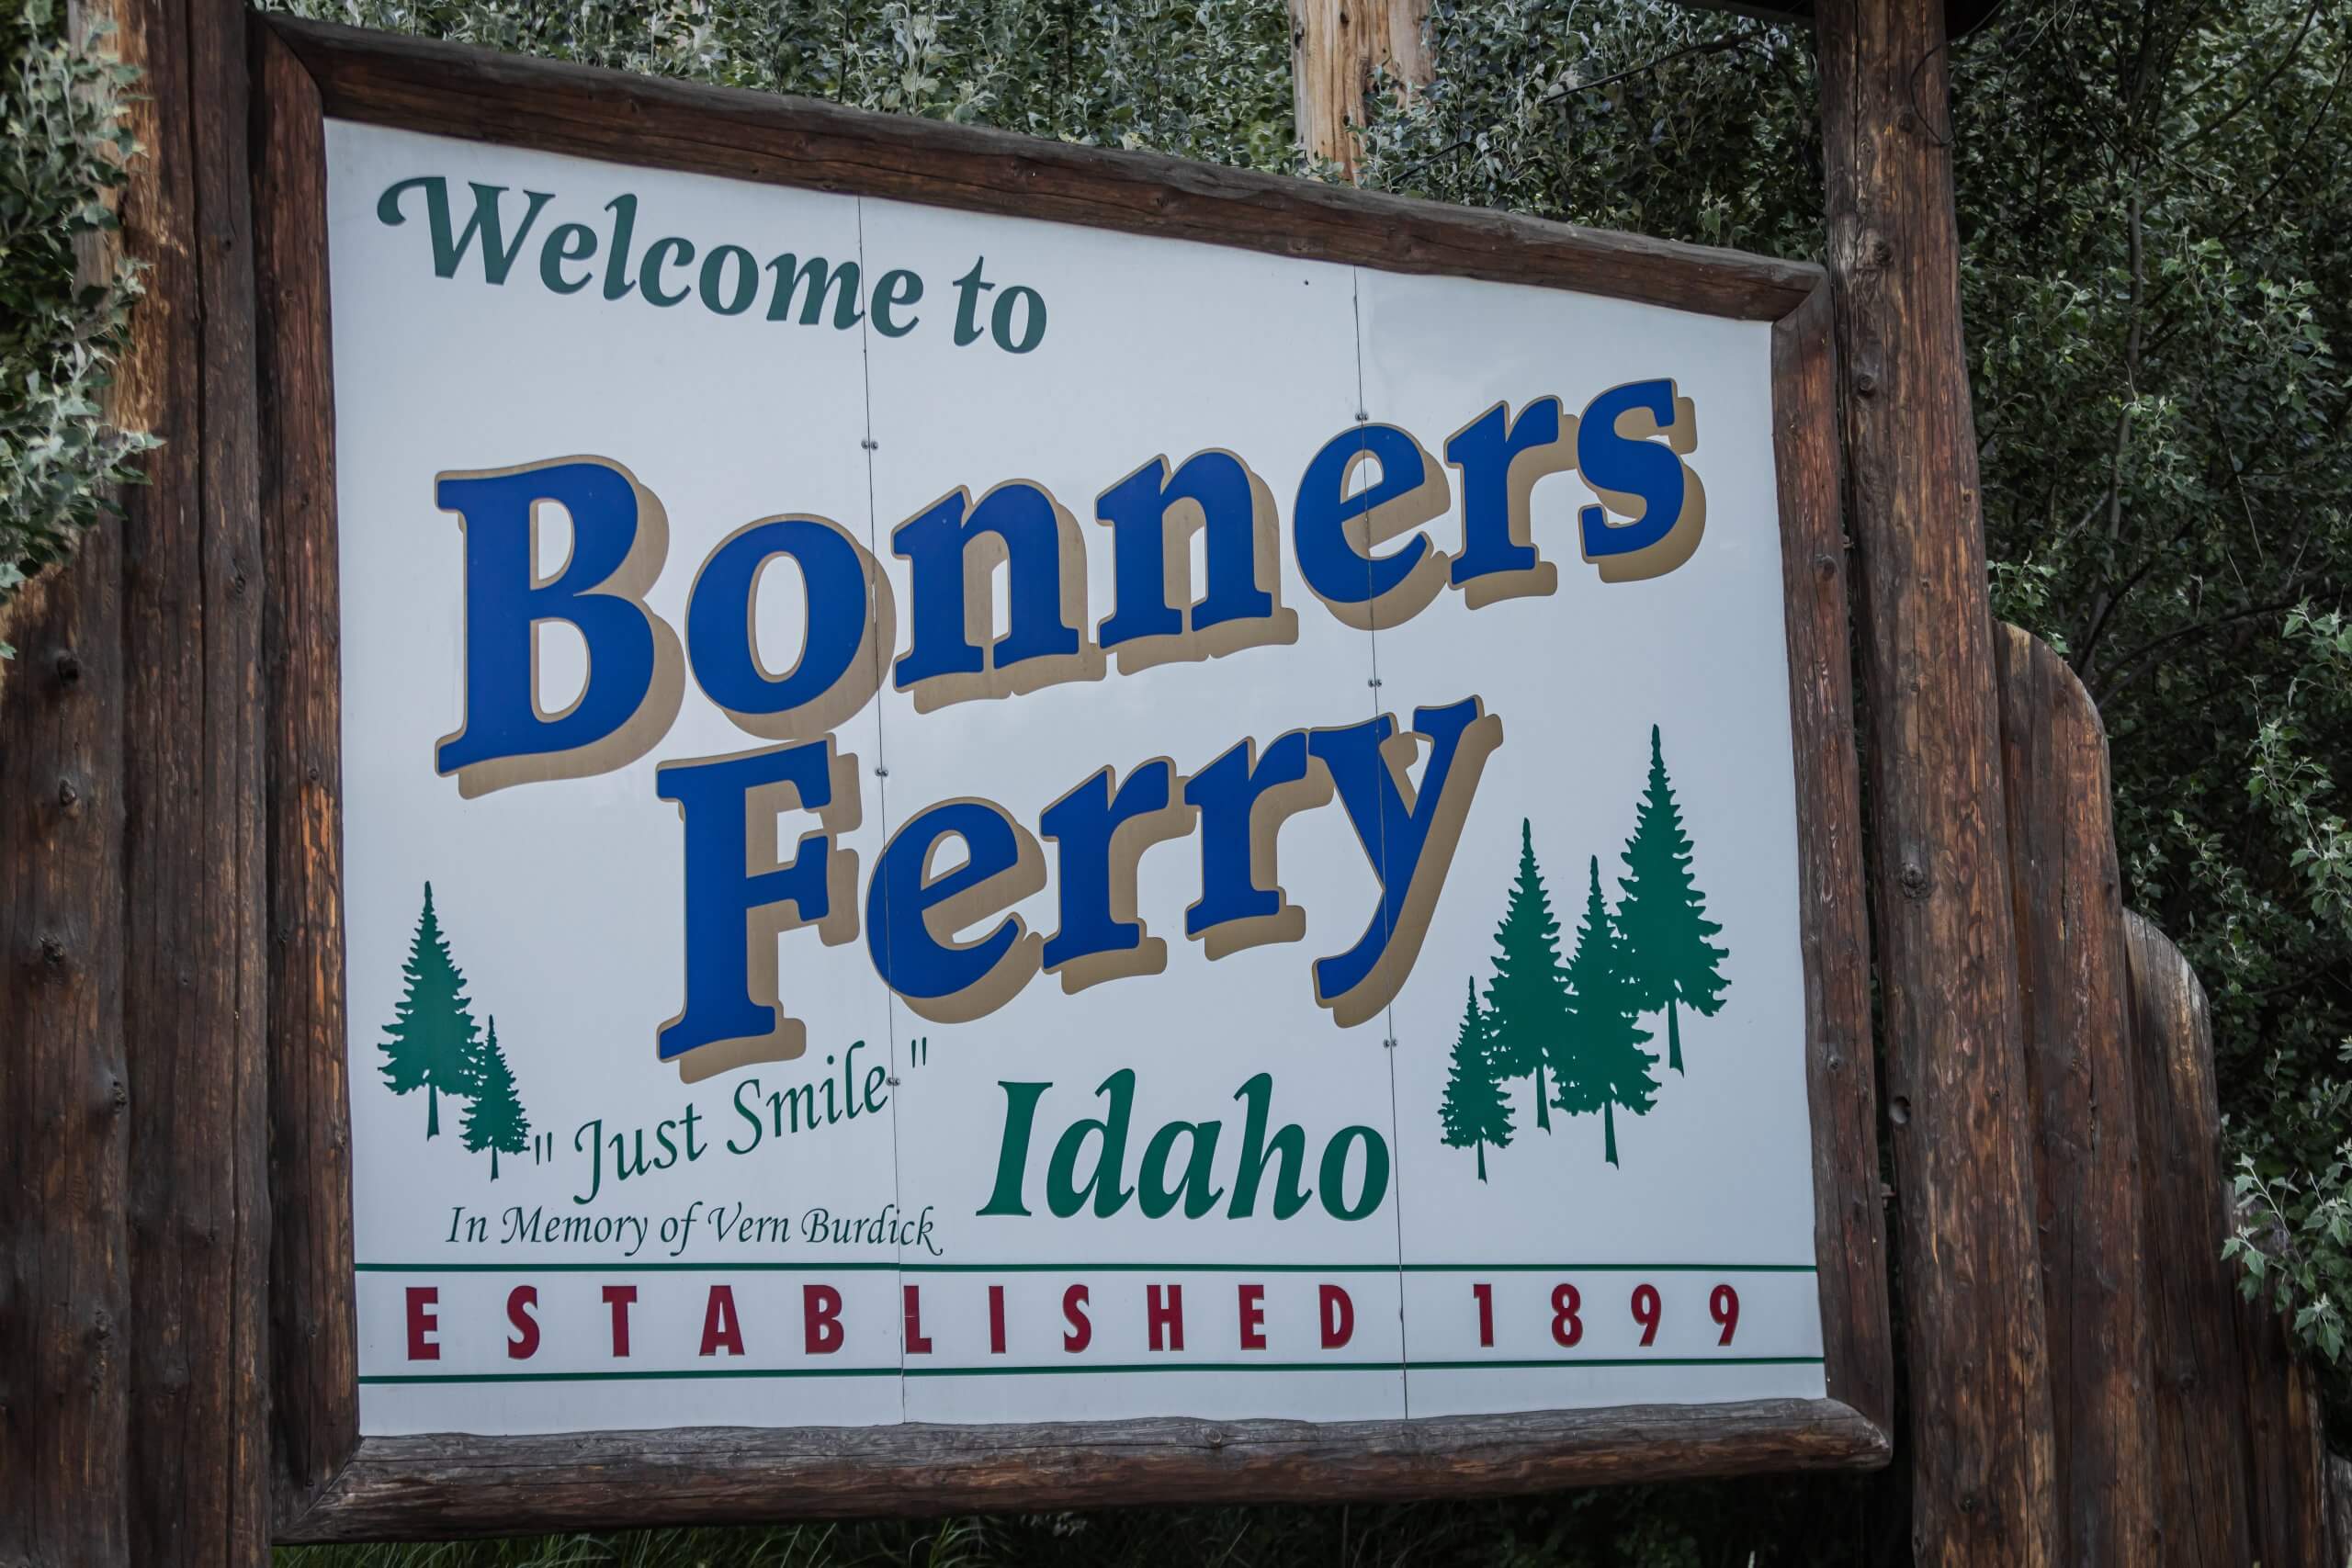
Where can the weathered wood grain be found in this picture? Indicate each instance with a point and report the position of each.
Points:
(313, 1348)
(65, 1346)
(1956, 1092)
(2199, 1395)
(1336, 47)
(1849, 1223)
(192, 1004)
(457, 91)
(2285, 1445)
(2339, 1507)
(454, 1484)
(2076, 993)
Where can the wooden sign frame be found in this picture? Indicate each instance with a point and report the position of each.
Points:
(331, 1484)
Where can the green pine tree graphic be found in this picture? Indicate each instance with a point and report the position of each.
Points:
(1664, 915)
(495, 1120)
(1525, 1000)
(1610, 1068)
(1474, 1111)
(432, 1042)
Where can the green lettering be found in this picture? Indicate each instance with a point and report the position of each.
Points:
(1013, 1154)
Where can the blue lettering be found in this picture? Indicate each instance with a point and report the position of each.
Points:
(636, 676)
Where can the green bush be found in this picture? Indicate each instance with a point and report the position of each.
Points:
(63, 300)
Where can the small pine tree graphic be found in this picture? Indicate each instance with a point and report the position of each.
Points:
(432, 1041)
(1474, 1111)
(495, 1120)
(1664, 915)
(1526, 1003)
(1611, 1068)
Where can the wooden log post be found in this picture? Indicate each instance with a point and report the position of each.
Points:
(1336, 48)
(65, 1294)
(2285, 1447)
(1958, 1107)
(2075, 986)
(2199, 1405)
(130, 885)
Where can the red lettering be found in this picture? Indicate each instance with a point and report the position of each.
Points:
(421, 1321)
(1567, 1326)
(918, 1344)
(1253, 1317)
(1486, 1294)
(1165, 1317)
(618, 1298)
(820, 1316)
(721, 1328)
(1339, 1318)
(526, 1343)
(996, 1320)
(1082, 1332)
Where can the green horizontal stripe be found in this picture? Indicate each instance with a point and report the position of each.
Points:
(690, 1372)
(1096, 1368)
(1385, 1268)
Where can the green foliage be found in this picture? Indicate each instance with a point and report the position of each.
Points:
(1198, 78)
(1664, 916)
(433, 1043)
(1527, 1007)
(61, 322)
(1474, 1110)
(1604, 1065)
(494, 1120)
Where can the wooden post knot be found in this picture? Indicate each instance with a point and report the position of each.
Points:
(1914, 879)
(1898, 1111)
(69, 799)
(69, 667)
(1865, 384)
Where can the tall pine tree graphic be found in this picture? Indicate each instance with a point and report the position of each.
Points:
(432, 1041)
(1610, 1068)
(1474, 1111)
(495, 1120)
(1664, 916)
(1529, 1010)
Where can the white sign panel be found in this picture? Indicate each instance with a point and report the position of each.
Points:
(953, 818)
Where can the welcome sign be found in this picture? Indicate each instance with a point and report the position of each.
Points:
(956, 818)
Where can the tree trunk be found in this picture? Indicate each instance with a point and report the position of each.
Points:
(1608, 1129)
(1979, 1443)
(431, 1112)
(1673, 1037)
(1542, 1101)
(1482, 1161)
(1336, 46)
